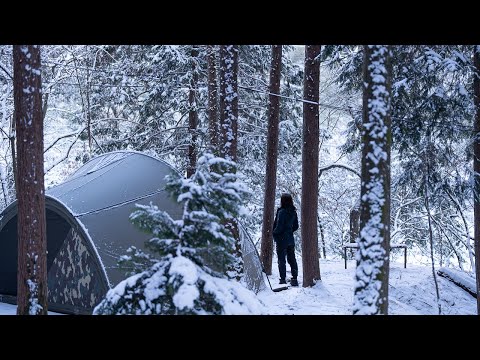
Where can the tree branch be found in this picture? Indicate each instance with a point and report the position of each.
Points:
(6, 72)
(345, 167)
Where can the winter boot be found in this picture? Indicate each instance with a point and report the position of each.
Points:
(282, 281)
(294, 282)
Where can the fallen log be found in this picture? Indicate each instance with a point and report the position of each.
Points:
(459, 278)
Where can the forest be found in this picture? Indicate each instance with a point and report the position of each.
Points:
(376, 145)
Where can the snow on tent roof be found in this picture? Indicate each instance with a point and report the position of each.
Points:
(92, 208)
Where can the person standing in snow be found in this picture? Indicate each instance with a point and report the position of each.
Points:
(286, 222)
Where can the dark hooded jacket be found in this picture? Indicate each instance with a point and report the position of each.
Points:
(286, 222)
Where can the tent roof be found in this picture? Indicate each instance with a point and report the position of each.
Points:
(99, 197)
(102, 194)
(111, 179)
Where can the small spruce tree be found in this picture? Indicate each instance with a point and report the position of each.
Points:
(189, 273)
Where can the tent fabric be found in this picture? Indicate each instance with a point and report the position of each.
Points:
(88, 227)
(252, 265)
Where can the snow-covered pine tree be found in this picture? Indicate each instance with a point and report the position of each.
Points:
(431, 93)
(189, 275)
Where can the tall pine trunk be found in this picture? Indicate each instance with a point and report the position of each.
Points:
(476, 169)
(213, 127)
(228, 126)
(271, 163)
(371, 284)
(32, 240)
(309, 207)
(228, 101)
(193, 114)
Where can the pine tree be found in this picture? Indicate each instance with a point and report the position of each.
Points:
(32, 236)
(272, 154)
(430, 95)
(194, 253)
(309, 207)
(371, 284)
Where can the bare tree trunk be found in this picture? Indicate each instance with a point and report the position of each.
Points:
(213, 127)
(228, 101)
(12, 149)
(309, 206)
(322, 237)
(89, 114)
(430, 236)
(193, 115)
(354, 223)
(476, 169)
(32, 241)
(371, 284)
(228, 127)
(271, 163)
(85, 108)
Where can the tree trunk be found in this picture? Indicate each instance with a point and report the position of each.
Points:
(476, 169)
(212, 99)
(228, 101)
(14, 156)
(430, 238)
(322, 238)
(192, 115)
(32, 241)
(228, 127)
(371, 284)
(309, 206)
(354, 223)
(89, 114)
(271, 163)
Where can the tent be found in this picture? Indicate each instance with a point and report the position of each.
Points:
(88, 228)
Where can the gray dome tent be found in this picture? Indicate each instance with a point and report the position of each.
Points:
(88, 228)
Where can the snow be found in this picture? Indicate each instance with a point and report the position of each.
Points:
(188, 292)
(164, 276)
(411, 292)
(9, 309)
(34, 306)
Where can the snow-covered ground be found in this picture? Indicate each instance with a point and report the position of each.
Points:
(7, 309)
(412, 292)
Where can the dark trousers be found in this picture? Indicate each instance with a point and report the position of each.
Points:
(289, 253)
